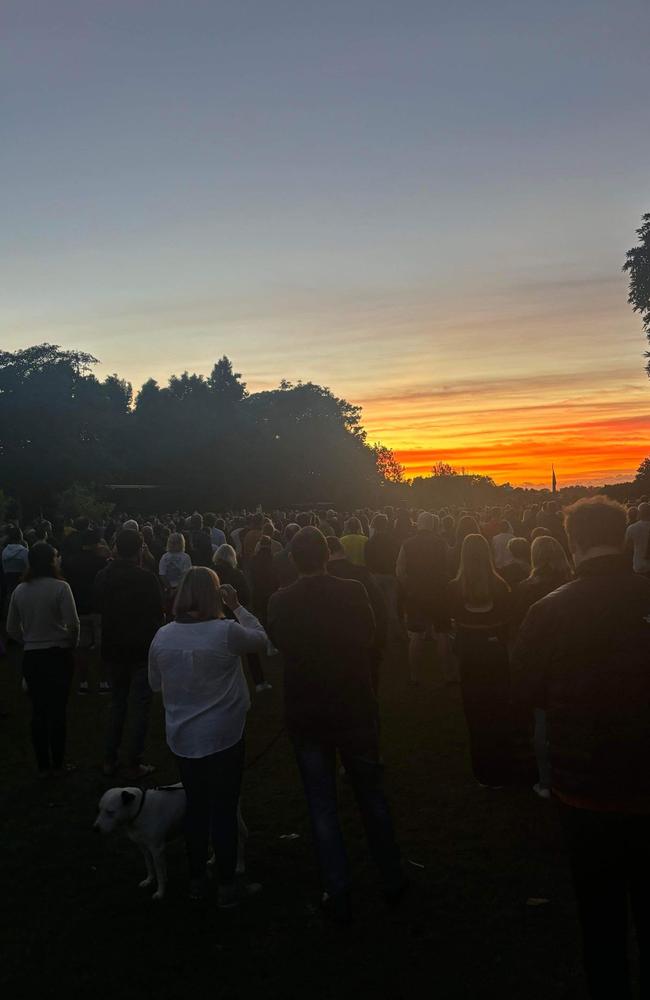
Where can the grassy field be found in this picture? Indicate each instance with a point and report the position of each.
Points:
(75, 920)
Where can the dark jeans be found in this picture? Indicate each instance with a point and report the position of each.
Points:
(48, 674)
(129, 683)
(609, 854)
(212, 786)
(485, 688)
(317, 764)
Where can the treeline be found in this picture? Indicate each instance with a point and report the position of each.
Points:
(206, 441)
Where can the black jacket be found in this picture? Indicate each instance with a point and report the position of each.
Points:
(346, 570)
(325, 628)
(131, 604)
(583, 654)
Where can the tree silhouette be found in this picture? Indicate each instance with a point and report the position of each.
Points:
(637, 265)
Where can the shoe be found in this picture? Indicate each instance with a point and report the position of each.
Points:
(542, 791)
(104, 687)
(264, 686)
(83, 688)
(230, 896)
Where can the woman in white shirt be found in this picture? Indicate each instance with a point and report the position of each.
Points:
(196, 662)
(173, 563)
(43, 616)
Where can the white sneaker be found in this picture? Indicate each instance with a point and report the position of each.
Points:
(264, 686)
(83, 688)
(544, 793)
(104, 687)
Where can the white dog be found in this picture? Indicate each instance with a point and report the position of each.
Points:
(152, 816)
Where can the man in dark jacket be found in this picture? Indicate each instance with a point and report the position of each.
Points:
(583, 655)
(130, 601)
(80, 569)
(325, 629)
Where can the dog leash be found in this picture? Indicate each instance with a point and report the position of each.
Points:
(140, 807)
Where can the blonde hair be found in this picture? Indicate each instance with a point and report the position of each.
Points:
(176, 542)
(549, 559)
(477, 576)
(225, 553)
(198, 594)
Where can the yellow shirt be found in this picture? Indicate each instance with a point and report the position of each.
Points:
(355, 548)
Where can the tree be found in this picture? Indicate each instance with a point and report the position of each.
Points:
(637, 265)
(387, 465)
(443, 469)
(642, 477)
(81, 501)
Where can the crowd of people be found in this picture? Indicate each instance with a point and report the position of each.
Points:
(541, 615)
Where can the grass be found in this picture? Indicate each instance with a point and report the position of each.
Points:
(76, 923)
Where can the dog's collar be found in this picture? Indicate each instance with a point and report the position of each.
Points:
(140, 807)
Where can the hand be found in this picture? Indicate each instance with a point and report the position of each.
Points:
(229, 597)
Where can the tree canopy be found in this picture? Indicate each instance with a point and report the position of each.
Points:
(637, 265)
(208, 438)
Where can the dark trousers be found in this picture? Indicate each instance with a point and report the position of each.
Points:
(609, 854)
(485, 688)
(317, 764)
(212, 786)
(129, 684)
(48, 674)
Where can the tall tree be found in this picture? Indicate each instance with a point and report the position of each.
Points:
(637, 265)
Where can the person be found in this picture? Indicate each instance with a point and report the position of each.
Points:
(196, 662)
(422, 572)
(480, 606)
(518, 566)
(285, 569)
(500, 552)
(339, 565)
(42, 615)
(381, 555)
(15, 559)
(173, 563)
(251, 538)
(325, 629)
(354, 541)
(200, 544)
(582, 653)
(81, 567)
(637, 540)
(130, 601)
(215, 527)
(224, 563)
(467, 525)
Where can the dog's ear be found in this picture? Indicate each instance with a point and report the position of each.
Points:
(127, 797)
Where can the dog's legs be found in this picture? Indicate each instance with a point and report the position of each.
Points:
(241, 842)
(158, 854)
(151, 875)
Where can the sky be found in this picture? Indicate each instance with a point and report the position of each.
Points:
(424, 205)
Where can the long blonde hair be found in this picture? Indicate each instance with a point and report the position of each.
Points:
(549, 559)
(477, 576)
(198, 595)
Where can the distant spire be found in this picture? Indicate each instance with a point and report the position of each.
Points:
(554, 481)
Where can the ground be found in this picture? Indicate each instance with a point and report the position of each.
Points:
(76, 920)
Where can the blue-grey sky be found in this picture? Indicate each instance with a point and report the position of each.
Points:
(424, 205)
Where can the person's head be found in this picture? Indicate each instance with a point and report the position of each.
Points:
(380, 524)
(196, 522)
(209, 520)
(198, 595)
(290, 531)
(131, 525)
(268, 528)
(257, 522)
(425, 521)
(128, 545)
(548, 560)
(309, 551)
(477, 575)
(220, 524)
(90, 538)
(43, 561)
(225, 554)
(147, 534)
(595, 526)
(176, 542)
(14, 535)
(336, 550)
(519, 549)
(447, 526)
(539, 532)
(644, 511)
(467, 525)
(352, 526)
(632, 514)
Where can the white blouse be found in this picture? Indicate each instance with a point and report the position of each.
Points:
(197, 666)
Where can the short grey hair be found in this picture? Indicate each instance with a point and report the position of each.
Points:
(225, 553)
